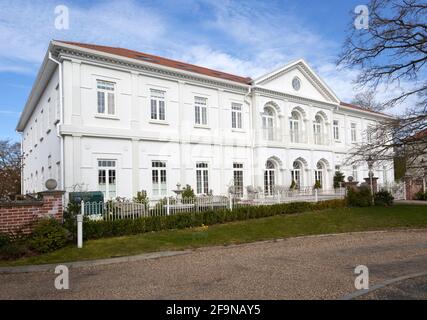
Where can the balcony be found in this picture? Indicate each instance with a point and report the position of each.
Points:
(271, 134)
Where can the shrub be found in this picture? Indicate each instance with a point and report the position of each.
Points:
(13, 245)
(13, 250)
(383, 198)
(70, 219)
(48, 235)
(317, 185)
(359, 198)
(4, 240)
(188, 192)
(141, 197)
(421, 195)
(99, 229)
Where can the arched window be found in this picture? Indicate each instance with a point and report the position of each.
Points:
(295, 127)
(269, 177)
(268, 123)
(318, 129)
(296, 173)
(318, 174)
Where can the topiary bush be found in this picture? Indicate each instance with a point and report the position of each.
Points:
(48, 235)
(360, 197)
(383, 198)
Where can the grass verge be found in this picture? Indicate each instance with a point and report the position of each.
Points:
(284, 226)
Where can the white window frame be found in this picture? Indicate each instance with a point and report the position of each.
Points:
(294, 127)
(269, 177)
(238, 173)
(296, 173)
(336, 130)
(157, 105)
(318, 130)
(318, 173)
(159, 176)
(202, 178)
(236, 116)
(109, 167)
(201, 111)
(353, 132)
(269, 123)
(106, 90)
(354, 173)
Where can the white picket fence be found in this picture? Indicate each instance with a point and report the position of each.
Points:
(113, 210)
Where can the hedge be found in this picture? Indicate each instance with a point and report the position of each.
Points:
(102, 229)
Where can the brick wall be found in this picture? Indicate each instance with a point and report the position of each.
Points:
(21, 215)
(412, 187)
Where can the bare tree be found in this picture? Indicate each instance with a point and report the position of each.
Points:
(10, 169)
(392, 53)
(367, 100)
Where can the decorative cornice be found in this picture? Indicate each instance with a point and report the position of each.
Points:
(156, 70)
(292, 98)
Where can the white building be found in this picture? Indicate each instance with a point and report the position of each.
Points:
(120, 121)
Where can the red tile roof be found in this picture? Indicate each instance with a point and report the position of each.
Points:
(353, 106)
(162, 61)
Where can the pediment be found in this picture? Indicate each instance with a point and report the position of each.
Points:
(311, 86)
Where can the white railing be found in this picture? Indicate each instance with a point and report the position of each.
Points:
(113, 210)
(397, 190)
(302, 194)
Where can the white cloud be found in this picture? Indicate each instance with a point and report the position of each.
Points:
(27, 27)
(245, 39)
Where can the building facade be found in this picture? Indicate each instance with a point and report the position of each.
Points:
(120, 121)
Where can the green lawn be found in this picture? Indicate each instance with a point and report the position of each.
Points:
(309, 223)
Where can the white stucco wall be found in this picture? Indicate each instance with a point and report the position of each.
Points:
(133, 140)
(40, 141)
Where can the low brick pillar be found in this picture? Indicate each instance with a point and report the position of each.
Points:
(410, 195)
(351, 185)
(21, 215)
(374, 183)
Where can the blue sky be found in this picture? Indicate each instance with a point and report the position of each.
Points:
(247, 38)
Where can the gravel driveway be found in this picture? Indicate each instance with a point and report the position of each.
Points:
(318, 267)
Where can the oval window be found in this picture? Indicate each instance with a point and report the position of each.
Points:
(296, 83)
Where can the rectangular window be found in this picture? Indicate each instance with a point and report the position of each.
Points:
(158, 111)
(369, 134)
(107, 178)
(236, 116)
(41, 125)
(384, 175)
(354, 173)
(202, 178)
(238, 179)
(353, 132)
(200, 111)
(336, 130)
(57, 104)
(158, 178)
(36, 132)
(106, 97)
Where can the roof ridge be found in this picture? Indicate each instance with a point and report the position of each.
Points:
(151, 58)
